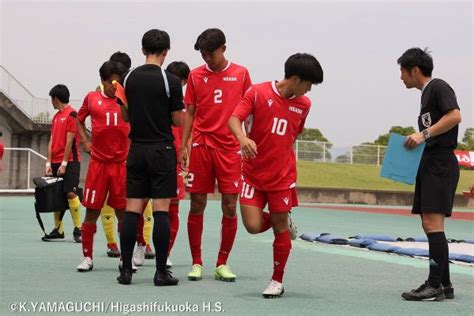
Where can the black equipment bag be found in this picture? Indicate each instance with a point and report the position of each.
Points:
(50, 197)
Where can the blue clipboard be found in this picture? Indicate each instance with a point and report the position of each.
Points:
(399, 163)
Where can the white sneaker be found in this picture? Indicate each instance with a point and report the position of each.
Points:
(169, 264)
(85, 265)
(274, 289)
(139, 255)
(293, 228)
(134, 267)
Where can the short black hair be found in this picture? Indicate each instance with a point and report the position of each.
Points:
(417, 57)
(155, 42)
(210, 40)
(305, 66)
(110, 68)
(180, 69)
(122, 58)
(61, 92)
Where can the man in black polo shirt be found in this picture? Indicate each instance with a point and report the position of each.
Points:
(155, 102)
(438, 173)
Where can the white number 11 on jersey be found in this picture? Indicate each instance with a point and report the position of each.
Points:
(107, 118)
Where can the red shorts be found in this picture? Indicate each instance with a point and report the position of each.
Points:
(278, 201)
(208, 164)
(102, 179)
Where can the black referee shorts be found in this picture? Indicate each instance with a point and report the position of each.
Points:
(151, 171)
(71, 177)
(436, 183)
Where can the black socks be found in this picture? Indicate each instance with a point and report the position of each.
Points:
(439, 263)
(128, 237)
(161, 238)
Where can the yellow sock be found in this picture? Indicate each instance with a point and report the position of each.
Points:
(75, 209)
(107, 215)
(57, 224)
(148, 225)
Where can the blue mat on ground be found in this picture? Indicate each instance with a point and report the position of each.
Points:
(412, 252)
(375, 237)
(461, 257)
(361, 243)
(332, 239)
(469, 241)
(382, 247)
(312, 236)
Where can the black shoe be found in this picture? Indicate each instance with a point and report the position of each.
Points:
(425, 292)
(54, 235)
(125, 276)
(77, 235)
(164, 278)
(449, 291)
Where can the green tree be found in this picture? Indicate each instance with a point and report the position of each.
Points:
(383, 139)
(467, 140)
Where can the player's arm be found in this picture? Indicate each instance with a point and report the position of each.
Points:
(81, 127)
(48, 171)
(247, 146)
(124, 111)
(67, 152)
(240, 114)
(188, 120)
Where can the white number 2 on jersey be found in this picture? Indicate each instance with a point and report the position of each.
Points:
(217, 96)
(107, 118)
(279, 126)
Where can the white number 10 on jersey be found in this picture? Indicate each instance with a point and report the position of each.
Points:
(279, 126)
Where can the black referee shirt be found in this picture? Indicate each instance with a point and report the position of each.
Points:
(438, 98)
(149, 108)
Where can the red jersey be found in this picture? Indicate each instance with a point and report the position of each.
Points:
(274, 124)
(215, 95)
(2, 149)
(62, 123)
(109, 131)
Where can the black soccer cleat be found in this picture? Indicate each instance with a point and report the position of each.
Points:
(449, 291)
(77, 235)
(425, 292)
(54, 235)
(164, 278)
(125, 276)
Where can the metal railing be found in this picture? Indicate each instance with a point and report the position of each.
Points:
(39, 110)
(14, 175)
(325, 152)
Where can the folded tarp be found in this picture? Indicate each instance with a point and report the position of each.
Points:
(332, 239)
(361, 243)
(312, 236)
(382, 247)
(375, 237)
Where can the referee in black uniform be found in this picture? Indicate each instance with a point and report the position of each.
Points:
(438, 173)
(155, 102)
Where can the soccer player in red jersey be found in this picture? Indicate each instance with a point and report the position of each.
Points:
(64, 159)
(276, 112)
(109, 145)
(2, 149)
(213, 91)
